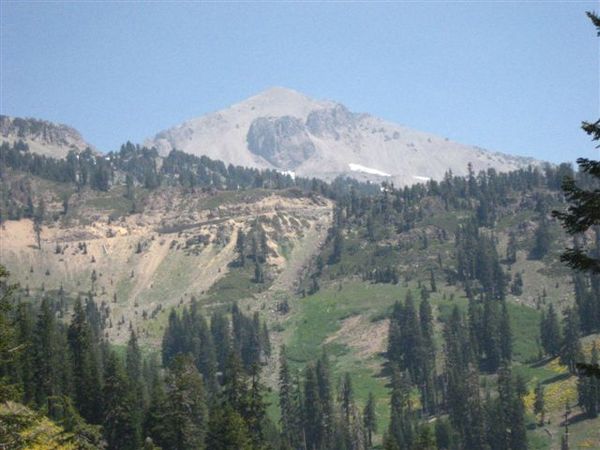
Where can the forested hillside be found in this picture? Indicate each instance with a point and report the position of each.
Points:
(178, 303)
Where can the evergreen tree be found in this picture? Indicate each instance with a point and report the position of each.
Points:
(432, 281)
(314, 432)
(235, 390)
(511, 249)
(133, 369)
(120, 423)
(8, 346)
(370, 420)
(24, 359)
(221, 334)
(542, 240)
(326, 399)
(256, 410)
(516, 288)
(259, 273)
(288, 407)
(47, 378)
(338, 246)
(550, 332)
(588, 389)
(156, 423)
(401, 431)
(584, 211)
(570, 352)
(427, 358)
(505, 334)
(227, 430)
(240, 247)
(346, 398)
(85, 364)
(187, 416)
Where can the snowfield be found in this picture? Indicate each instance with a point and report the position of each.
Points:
(369, 170)
(291, 173)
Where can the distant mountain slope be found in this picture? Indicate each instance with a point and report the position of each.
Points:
(41, 136)
(286, 130)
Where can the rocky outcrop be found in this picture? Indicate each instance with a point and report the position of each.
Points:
(43, 137)
(282, 141)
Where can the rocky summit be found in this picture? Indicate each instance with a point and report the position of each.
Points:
(285, 130)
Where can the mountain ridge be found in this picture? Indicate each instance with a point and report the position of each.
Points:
(42, 136)
(286, 130)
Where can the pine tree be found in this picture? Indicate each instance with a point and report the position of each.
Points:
(240, 247)
(235, 391)
(256, 410)
(550, 332)
(432, 281)
(542, 240)
(427, 358)
(156, 423)
(187, 415)
(511, 249)
(221, 334)
(588, 389)
(370, 419)
(312, 411)
(346, 398)
(227, 430)
(288, 407)
(401, 431)
(511, 418)
(121, 429)
(444, 434)
(584, 211)
(265, 340)
(86, 369)
(38, 219)
(338, 246)
(570, 352)
(326, 399)
(25, 364)
(505, 334)
(46, 376)
(259, 273)
(8, 344)
(133, 369)
(172, 338)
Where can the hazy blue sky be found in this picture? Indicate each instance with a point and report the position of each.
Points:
(506, 76)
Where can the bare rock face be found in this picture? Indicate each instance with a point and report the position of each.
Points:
(43, 137)
(330, 122)
(282, 141)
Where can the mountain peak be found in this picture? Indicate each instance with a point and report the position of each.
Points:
(283, 129)
(281, 101)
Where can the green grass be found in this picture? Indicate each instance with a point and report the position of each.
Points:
(237, 284)
(319, 315)
(526, 331)
(112, 201)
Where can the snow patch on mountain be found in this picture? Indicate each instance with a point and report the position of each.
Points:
(360, 168)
